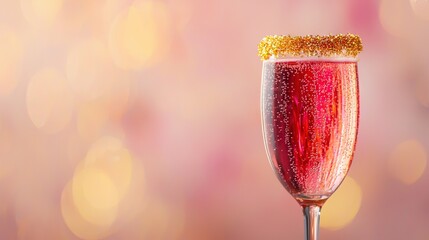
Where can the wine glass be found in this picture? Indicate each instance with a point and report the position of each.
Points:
(310, 113)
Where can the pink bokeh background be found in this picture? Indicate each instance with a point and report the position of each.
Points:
(140, 120)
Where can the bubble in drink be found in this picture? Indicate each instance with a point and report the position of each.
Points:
(310, 114)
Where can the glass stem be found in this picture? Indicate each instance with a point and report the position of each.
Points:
(311, 221)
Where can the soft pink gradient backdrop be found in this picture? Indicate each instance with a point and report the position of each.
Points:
(140, 120)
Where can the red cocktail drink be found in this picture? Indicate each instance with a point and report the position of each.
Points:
(310, 117)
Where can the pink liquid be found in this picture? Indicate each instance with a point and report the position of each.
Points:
(310, 118)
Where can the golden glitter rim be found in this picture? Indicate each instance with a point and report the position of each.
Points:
(348, 45)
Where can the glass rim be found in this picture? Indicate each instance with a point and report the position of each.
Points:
(312, 59)
(324, 46)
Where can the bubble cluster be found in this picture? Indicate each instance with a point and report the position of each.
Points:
(310, 112)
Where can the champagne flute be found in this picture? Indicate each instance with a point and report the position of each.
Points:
(310, 113)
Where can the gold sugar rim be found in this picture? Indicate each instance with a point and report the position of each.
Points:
(348, 45)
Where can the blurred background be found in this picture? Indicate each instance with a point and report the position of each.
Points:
(140, 120)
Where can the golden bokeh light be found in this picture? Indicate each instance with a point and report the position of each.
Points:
(420, 8)
(75, 222)
(99, 187)
(343, 206)
(95, 196)
(49, 102)
(11, 49)
(395, 17)
(109, 155)
(41, 12)
(408, 161)
(138, 36)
